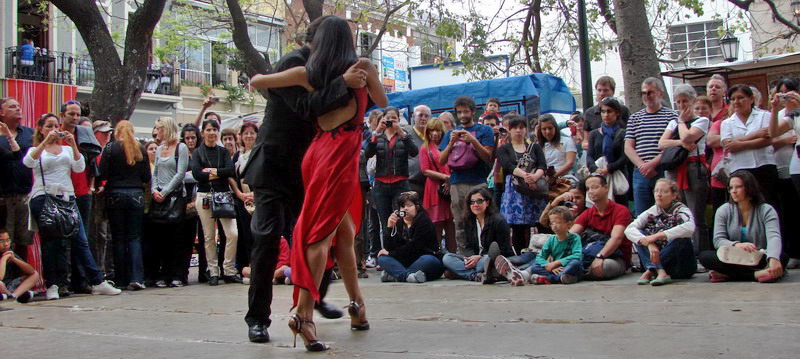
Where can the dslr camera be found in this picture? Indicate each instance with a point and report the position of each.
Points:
(400, 214)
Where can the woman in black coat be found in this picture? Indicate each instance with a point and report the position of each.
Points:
(609, 141)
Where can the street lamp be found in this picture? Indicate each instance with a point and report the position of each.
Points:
(730, 47)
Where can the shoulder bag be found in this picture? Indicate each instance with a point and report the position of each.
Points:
(527, 163)
(221, 202)
(173, 208)
(462, 156)
(674, 156)
(444, 188)
(59, 218)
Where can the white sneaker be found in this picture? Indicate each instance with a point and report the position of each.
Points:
(105, 288)
(52, 292)
(794, 263)
(246, 280)
(416, 277)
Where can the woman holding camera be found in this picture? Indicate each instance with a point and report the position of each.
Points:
(392, 147)
(409, 255)
(52, 165)
(211, 167)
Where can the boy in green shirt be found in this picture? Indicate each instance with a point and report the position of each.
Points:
(560, 258)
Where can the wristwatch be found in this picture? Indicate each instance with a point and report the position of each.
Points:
(600, 256)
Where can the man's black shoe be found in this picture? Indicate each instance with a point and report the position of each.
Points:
(328, 310)
(202, 278)
(214, 280)
(237, 278)
(258, 333)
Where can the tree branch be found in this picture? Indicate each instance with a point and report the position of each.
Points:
(608, 14)
(780, 17)
(256, 62)
(385, 26)
(742, 4)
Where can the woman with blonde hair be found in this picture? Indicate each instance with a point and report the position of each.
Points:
(126, 169)
(437, 205)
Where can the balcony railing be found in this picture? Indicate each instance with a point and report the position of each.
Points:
(65, 68)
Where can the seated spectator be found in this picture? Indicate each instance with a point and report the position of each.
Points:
(484, 228)
(16, 277)
(560, 258)
(283, 273)
(608, 142)
(606, 253)
(409, 255)
(662, 235)
(574, 199)
(749, 223)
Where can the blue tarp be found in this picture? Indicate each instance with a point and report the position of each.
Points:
(551, 91)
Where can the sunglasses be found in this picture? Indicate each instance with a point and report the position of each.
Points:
(477, 201)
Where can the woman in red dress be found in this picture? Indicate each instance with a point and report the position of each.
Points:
(332, 205)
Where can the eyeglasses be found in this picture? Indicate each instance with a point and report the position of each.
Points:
(5, 240)
(477, 201)
(648, 93)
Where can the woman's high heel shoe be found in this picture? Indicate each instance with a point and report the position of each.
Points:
(358, 316)
(307, 331)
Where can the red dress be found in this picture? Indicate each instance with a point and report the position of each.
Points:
(332, 188)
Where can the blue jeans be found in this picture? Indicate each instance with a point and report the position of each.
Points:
(676, 258)
(524, 260)
(643, 191)
(455, 263)
(428, 264)
(384, 195)
(125, 215)
(574, 268)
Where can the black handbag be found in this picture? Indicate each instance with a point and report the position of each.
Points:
(221, 202)
(173, 208)
(59, 218)
(674, 156)
(444, 188)
(526, 163)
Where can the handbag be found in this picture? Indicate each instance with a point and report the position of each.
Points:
(462, 156)
(723, 170)
(739, 256)
(59, 218)
(616, 180)
(526, 163)
(173, 208)
(674, 156)
(221, 202)
(444, 188)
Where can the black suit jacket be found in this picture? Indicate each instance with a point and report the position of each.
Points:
(287, 130)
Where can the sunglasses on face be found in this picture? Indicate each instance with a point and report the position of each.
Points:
(477, 201)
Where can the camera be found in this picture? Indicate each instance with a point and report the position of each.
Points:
(400, 214)
(388, 123)
(206, 203)
(784, 97)
(567, 204)
(214, 99)
(503, 131)
(61, 134)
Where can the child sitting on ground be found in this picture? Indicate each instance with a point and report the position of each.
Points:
(282, 274)
(16, 277)
(560, 258)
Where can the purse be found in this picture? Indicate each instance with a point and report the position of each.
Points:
(59, 218)
(173, 208)
(462, 156)
(526, 163)
(739, 256)
(444, 188)
(221, 202)
(674, 156)
(722, 171)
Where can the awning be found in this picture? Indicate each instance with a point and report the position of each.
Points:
(734, 67)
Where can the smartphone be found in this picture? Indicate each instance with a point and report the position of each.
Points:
(214, 99)
(206, 203)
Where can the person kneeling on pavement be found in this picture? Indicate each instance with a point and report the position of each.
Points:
(409, 254)
(16, 277)
(486, 234)
(663, 237)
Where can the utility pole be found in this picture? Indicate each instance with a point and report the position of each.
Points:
(583, 47)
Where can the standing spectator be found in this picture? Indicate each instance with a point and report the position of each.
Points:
(745, 136)
(151, 147)
(496, 180)
(231, 142)
(52, 165)
(98, 229)
(171, 164)
(748, 223)
(370, 221)
(609, 141)
(519, 210)
(211, 166)
(641, 142)
(475, 144)
(26, 55)
(559, 152)
(447, 120)
(190, 136)
(125, 168)
(416, 179)
(662, 237)
(607, 254)
(82, 183)
(435, 203)
(155, 136)
(716, 89)
(392, 148)
(692, 175)
(492, 107)
(17, 179)
(410, 254)
(243, 196)
(784, 132)
(604, 87)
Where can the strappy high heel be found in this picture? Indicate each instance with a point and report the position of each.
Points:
(308, 332)
(358, 316)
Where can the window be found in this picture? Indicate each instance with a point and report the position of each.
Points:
(196, 64)
(267, 39)
(702, 39)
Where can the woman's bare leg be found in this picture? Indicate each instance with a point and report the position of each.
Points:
(317, 257)
(346, 258)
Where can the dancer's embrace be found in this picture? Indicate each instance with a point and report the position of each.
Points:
(331, 208)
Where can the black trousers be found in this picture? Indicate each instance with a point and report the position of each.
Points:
(710, 260)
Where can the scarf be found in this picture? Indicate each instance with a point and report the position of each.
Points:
(608, 140)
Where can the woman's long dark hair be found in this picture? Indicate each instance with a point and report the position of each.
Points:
(332, 52)
(750, 185)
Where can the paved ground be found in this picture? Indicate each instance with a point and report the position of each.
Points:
(440, 319)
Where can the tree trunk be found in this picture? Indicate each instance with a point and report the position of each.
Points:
(637, 51)
(313, 8)
(118, 82)
(255, 61)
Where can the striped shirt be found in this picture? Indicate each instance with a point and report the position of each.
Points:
(646, 129)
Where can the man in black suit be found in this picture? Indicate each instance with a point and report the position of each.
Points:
(273, 172)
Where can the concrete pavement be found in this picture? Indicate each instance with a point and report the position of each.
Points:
(438, 319)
